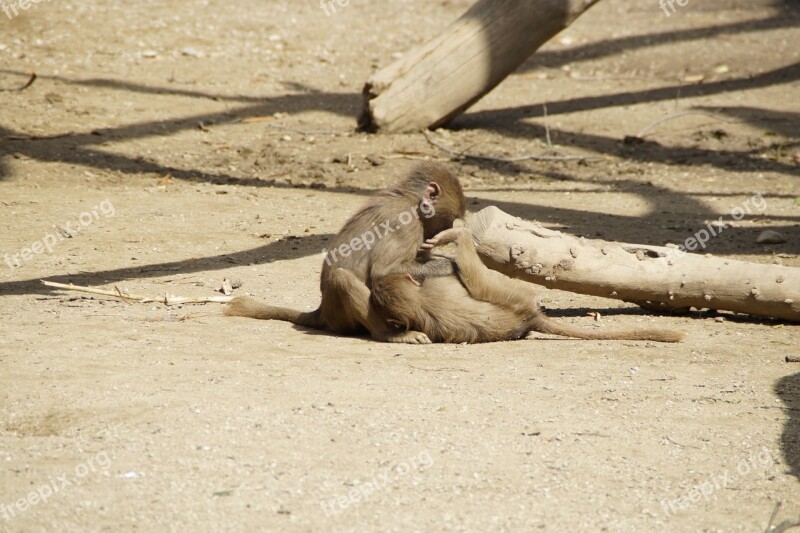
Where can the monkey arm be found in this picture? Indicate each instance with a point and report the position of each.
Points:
(400, 253)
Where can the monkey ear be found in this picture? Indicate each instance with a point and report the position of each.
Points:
(432, 192)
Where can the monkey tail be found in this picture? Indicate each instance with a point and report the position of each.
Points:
(544, 324)
(248, 307)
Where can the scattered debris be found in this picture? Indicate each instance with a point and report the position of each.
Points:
(769, 236)
(191, 52)
(167, 299)
(226, 288)
(376, 160)
(24, 86)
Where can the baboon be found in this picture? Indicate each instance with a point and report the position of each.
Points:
(383, 238)
(477, 304)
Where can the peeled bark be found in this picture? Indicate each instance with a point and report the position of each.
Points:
(654, 277)
(437, 81)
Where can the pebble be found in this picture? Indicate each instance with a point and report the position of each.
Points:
(191, 52)
(769, 236)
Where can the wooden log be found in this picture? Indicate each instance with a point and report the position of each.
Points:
(655, 277)
(435, 82)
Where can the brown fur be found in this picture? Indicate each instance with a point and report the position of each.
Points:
(429, 190)
(477, 305)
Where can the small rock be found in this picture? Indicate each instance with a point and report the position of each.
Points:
(191, 52)
(769, 236)
(149, 54)
(376, 160)
(226, 288)
(719, 319)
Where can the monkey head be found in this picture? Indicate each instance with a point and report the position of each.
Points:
(441, 198)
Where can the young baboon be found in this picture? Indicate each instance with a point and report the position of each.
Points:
(477, 304)
(382, 239)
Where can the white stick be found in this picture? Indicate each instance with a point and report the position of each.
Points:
(166, 299)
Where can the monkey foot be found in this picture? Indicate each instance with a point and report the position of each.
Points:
(445, 237)
(410, 337)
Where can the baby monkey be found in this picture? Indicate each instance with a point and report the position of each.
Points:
(477, 304)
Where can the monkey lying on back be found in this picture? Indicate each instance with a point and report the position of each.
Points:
(383, 238)
(477, 304)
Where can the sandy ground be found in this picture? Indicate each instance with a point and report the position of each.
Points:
(150, 155)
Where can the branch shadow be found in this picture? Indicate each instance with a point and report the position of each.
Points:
(785, 123)
(75, 148)
(507, 121)
(282, 250)
(611, 47)
(788, 390)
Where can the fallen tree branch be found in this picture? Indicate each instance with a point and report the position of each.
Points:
(437, 81)
(655, 277)
(167, 299)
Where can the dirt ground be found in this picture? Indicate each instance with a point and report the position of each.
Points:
(165, 146)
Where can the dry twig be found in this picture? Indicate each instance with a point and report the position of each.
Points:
(457, 155)
(23, 87)
(679, 114)
(167, 299)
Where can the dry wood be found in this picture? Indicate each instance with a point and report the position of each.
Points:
(166, 299)
(655, 277)
(435, 82)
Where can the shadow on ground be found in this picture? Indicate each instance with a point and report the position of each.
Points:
(788, 390)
